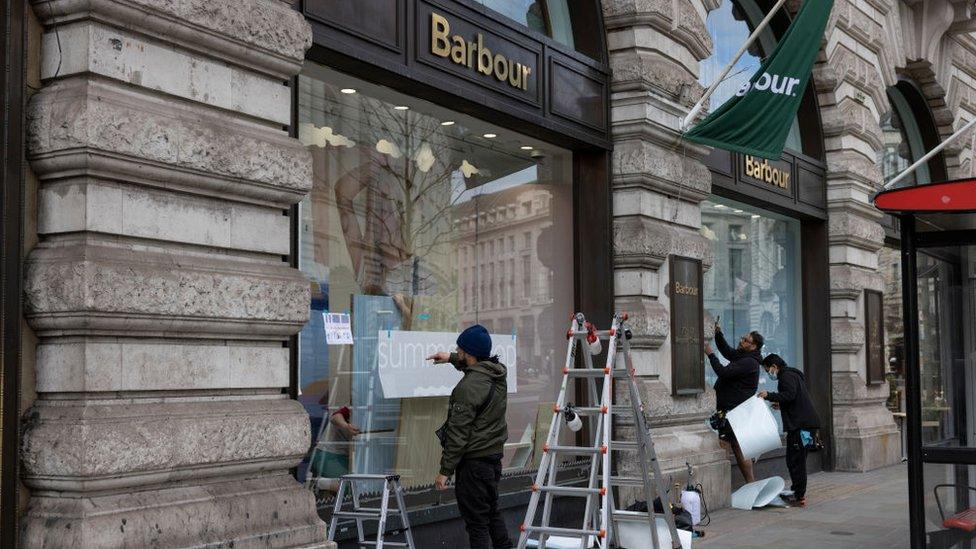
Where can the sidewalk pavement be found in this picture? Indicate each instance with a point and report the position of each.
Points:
(844, 510)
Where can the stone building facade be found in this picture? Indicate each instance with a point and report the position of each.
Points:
(158, 291)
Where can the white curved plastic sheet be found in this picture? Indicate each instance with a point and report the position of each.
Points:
(637, 535)
(754, 427)
(759, 494)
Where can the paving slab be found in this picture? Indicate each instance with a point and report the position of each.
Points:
(844, 510)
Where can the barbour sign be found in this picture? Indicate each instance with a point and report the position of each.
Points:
(757, 119)
(765, 172)
(475, 54)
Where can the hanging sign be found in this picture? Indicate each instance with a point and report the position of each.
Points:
(338, 330)
(405, 372)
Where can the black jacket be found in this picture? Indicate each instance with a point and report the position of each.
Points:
(794, 401)
(739, 380)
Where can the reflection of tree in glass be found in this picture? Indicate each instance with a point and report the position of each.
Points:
(395, 206)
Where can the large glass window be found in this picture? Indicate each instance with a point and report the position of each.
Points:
(730, 26)
(754, 280)
(903, 142)
(411, 229)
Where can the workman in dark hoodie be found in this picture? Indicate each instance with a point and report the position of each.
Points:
(736, 383)
(798, 415)
(473, 437)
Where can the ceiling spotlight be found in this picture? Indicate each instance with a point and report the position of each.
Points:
(489, 136)
(719, 207)
(401, 108)
(447, 123)
(737, 211)
(526, 147)
(754, 216)
(347, 90)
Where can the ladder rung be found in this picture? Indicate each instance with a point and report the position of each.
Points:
(595, 372)
(576, 450)
(357, 514)
(561, 531)
(633, 516)
(364, 476)
(626, 481)
(571, 491)
(616, 410)
(626, 446)
(385, 543)
(377, 510)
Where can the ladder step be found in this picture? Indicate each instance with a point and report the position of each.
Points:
(571, 491)
(385, 543)
(575, 450)
(364, 476)
(561, 531)
(376, 510)
(617, 410)
(626, 446)
(632, 516)
(357, 515)
(595, 372)
(626, 481)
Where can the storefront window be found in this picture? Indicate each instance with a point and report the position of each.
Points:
(730, 26)
(410, 230)
(550, 17)
(754, 280)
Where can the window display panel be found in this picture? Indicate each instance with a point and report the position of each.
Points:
(422, 221)
(754, 280)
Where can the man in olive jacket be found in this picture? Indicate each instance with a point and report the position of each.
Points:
(473, 437)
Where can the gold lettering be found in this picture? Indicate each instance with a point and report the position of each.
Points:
(439, 29)
(501, 67)
(764, 171)
(681, 289)
(459, 51)
(515, 75)
(466, 52)
(484, 57)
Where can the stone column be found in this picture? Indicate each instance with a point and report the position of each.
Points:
(658, 182)
(160, 289)
(851, 93)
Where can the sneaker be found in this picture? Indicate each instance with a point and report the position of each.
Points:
(802, 502)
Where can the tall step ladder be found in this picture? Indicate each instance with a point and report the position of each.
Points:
(599, 517)
(391, 483)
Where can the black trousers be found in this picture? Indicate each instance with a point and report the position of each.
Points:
(476, 487)
(796, 462)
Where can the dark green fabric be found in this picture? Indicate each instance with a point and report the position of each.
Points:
(757, 120)
(465, 434)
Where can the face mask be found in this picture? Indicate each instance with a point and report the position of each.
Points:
(772, 374)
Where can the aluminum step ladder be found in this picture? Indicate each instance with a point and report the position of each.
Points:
(599, 517)
(391, 483)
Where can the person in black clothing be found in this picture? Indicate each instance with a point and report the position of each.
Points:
(798, 415)
(736, 383)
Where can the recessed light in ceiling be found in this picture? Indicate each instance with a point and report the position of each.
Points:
(347, 90)
(401, 107)
(526, 147)
(447, 123)
(489, 136)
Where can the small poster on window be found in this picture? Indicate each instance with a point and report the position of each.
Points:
(338, 330)
(405, 371)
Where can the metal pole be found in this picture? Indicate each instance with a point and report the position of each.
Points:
(913, 420)
(711, 89)
(969, 125)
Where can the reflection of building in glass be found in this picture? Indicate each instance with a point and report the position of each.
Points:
(752, 283)
(504, 283)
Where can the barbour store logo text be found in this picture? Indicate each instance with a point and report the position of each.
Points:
(475, 55)
(762, 171)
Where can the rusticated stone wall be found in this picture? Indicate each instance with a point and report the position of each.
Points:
(160, 290)
(658, 183)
